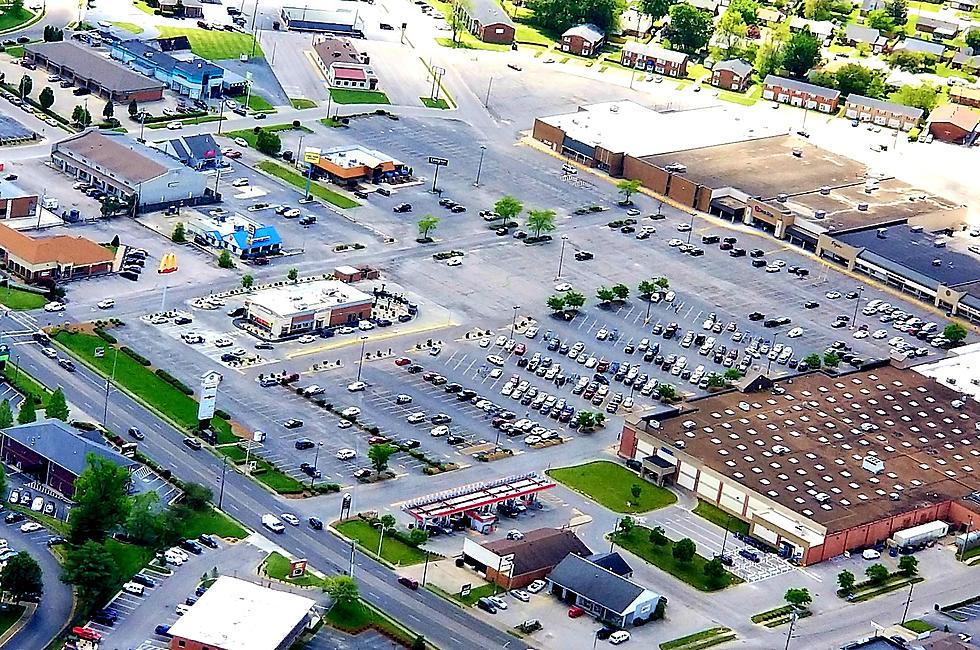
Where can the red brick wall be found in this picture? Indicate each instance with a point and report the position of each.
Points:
(518, 582)
(547, 133)
(947, 132)
(339, 316)
(627, 443)
(175, 644)
(682, 190)
(723, 79)
(488, 34)
(21, 206)
(649, 175)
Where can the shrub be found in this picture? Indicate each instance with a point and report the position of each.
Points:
(222, 414)
(137, 357)
(173, 381)
(104, 335)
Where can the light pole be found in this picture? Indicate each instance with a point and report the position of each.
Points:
(108, 383)
(792, 624)
(316, 457)
(856, 304)
(908, 601)
(360, 362)
(513, 322)
(690, 229)
(479, 168)
(561, 255)
(221, 491)
(768, 357)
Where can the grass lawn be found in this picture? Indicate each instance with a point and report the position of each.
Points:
(719, 517)
(434, 103)
(142, 6)
(476, 594)
(213, 522)
(638, 543)
(260, 104)
(250, 136)
(301, 103)
(918, 626)
(469, 42)
(699, 639)
(943, 70)
(11, 19)
(357, 616)
(57, 525)
(735, 98)
(202, 119)
(696, 71)
(129, 559)
(331, 122)
(141, 381)
(9, 614)
(20, 300)
(298, 180)
(345, 96)
(277, 566)
(525, 33)
(394, 550)
(213, 44)
(264, 472)
(609, 484)
(16, 51)
(132, 28)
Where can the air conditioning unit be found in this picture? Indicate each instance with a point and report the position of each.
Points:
(916, 228)
(782, 198)
(863, 207)
(819, 214)
(873, 464)
(822, 497)
(825, 190)
(882, 233)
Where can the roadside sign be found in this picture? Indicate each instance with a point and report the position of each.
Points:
(464, 591)
(311, 155)
(439, 162)
(297, 568)
(99, 352)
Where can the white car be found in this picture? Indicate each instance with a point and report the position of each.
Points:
(495, 359)
(514, 534)
(306, 338)
(439, 431)
(620, 636)
(674, 243)
(870, 554)
(231, 103)
(291, 213)
(520, 595)
(173, 558)
(351, 412)
(346, 454)
(30, 527)
(223, 342)
(159, 320)
(860, 334)
(896, 341)
(669, 296)
(501, 341)
(879, 334)
(38, 504)
(416, 418)
(108, 303)
(290, 518)
(345, 424)
(240, 182)
(536, 586)
(795, 333)
(832, 295)
(173, 126)
(496, 373)
(356, 386)
(563, 286)
(498, 602)
(485, 343)
(531, 332)
(532, 440)
(50, 353)
(602, 334)
(241, 142)
(455, 261)
(54, 306)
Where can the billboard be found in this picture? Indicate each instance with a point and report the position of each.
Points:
(311, 155)
(209, 393)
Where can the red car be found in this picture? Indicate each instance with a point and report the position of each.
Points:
(575, 612)
(411, 583)
(234, 153)
(520, 349)
(378, 440)
(402, 361)
(86, 633)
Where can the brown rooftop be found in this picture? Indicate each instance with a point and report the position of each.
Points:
(116, 155)
(805, 444)
(957, 115)
(540, 549)
(336, 50)
(62, 249)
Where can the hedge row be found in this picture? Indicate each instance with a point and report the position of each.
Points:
(137, 357)
(173, 381)
(104, 335)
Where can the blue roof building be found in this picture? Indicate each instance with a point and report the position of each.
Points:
(264, 241)
(193, 77)
(196, 151)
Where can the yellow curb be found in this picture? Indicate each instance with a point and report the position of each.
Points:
(344, 343)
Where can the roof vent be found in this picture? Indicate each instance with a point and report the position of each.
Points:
(863, 207)
(894, 496)
(819, 214)
(822, 497)
(873, 464)
(882, 233)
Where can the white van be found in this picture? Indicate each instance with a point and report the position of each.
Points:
(365, 325)
(133, 588)
(272, 523)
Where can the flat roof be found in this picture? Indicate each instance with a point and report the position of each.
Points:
(118, 154)
(929, 447)
(89, 65)
(476, 495)
(238, 614)
(334, 16)
(356, 156)
(307, 296)
(960, 370)
(628, 127)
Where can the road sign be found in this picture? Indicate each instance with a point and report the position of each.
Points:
(297, 568)
(438, 162)
(311, 155)
(209, 392)
(99, 352)
(464, 591)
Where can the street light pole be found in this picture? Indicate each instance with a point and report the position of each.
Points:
(479, 169)
(360, 362)
(221, 491)
(690, 230)
(856, 304)
(792, 624)
(316, 458)
(513, 322)
(561, 255)
(908, 601)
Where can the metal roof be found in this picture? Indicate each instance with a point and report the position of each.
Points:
(863, 34)
(801, 86)
(891, 107)
(476, 495)
(539, 549)
(487, 12)
(916, 45)
(63, 445)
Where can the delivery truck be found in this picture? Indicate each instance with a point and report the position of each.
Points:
(920, 535)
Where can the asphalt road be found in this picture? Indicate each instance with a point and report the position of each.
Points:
(442, 623)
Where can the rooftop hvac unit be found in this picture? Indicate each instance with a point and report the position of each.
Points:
(614, 108)
(873, 464)
(863, 207)
(822, 497)
(820, 214)
(894, 496)
(782, 198)
(825, 190)
(916, 228)
(882, 233)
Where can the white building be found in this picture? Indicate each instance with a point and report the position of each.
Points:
(307, 307)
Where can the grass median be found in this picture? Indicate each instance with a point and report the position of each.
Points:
(637, 542)
(346, 96)
(610, 485)
(296, 179)
(212, 522)
(20, 300)
(9, 614)
(720, 518)
(394, 550)
(358, 616)
(301, 103)
(277, 567)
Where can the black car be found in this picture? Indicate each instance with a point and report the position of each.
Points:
(56, 541)
(315, 524)
(402, 207)
(208, 541)
(604, 633)
(192, 546)
(14, 517)
(486, 606)
(754, 316)
(145, 580)
(455, 440)
(183, 320)
(105, 617)
(583, 256)
(129, 275)
(458, 208)
(67, 365)
(811, 304)
(441, 418)
(757, 252)
(193, 443)
(310, 471)
(292, 423)
(409, 443)
(136, 433)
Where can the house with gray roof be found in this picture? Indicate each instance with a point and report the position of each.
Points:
(486, 20)
(926, 47)
(89, 70)
(855, 35)
(731, 74)
(607, 596)
(882, 113)
(800, 93)
(196, 151)
(965, 59)
(585, 40)
(867, 6)
(942, 28)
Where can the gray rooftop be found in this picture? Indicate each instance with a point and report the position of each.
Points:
(89, 65)
(801, 86)
(595, 583)
(736, 66)
(916, 45)
(891, 107)
(588, 31)
(487, 12)
(862, 34)
(63, 445)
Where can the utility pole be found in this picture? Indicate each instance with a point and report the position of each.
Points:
(221, 491)
(479, 169)
(792, 624)
(561, 255)
(255, 10)
(486, 101)
(908, 601)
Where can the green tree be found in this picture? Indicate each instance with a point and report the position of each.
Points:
(899, 12)
(662, 282)
(732, 374)
(417, 537)
(812, 360)
(379, 455)
(574, 299)
(25, 86)
(690, 28)
(541, 221)
(731, 30)
(924, 96)
(714, 571)
(292, 275)
(427, 224)
(342, 589)
(801, 52)
(558, 15)
(101, 500)
(769, 57)
(508, 208)
(636, 491)
(877, 573)
(817, 9)
(912, 61)
(667, 392)
(656, 9)
(555, 303)
(81, 116)
(625, 526)
(21, 577)
(908, 565)
(144, 524)
(748, 9)
(133, 108)
(247, 281)
(716, 381)
(46, 98)
(954, 332)
(387, 522)
(92, 570)
(3, 480)
(646, 288)
(179, 235)
(605, 295)
(268, 142)
(225, 261)
(854, 78)
(7, 416)
(621, 291)
(684, 550)
(27, 412)
(799, 598)
(628, 187)
(831, 359)
(880, 19)
(845, 580)
(197, 497)
(585, 419)
(419, 643)
(108, 110)
(973, 40)
(57, 406)
(658, 537)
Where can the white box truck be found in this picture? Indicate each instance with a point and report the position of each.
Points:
(921, 534)
(272, 523)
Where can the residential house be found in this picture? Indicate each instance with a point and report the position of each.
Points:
(799, 93)
(343, 65)
(965, 96)
(514, 564)
(965, 59)
(487, 21)
(882, 113)
(954, 123)
(602, 593)
(583, 40)
(713, 7)
(651, 58)
(196, 151)
(964, 5)
(867, 6)
(731, 74)
(52, 259)
(193, 77)
(821, 28)
(769, 16)
(855, 35)
(612, 561)
(634, 23)
(941, 28)
(181, 8)
(926, 47)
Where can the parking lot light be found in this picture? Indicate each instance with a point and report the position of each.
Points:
(513, 322)
(316, 457)
(857, 303)
(561, 255)
(360, 362)
(690, 230)
(479, 169)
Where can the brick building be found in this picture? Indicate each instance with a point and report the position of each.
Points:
(343, 65)
(307, 307)
(651, 58)
(514, 564)
(583, 40)
(731, 74)
(882, 113)
(52, 259)
(954, 123)
(799, 93)
(965, 96)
